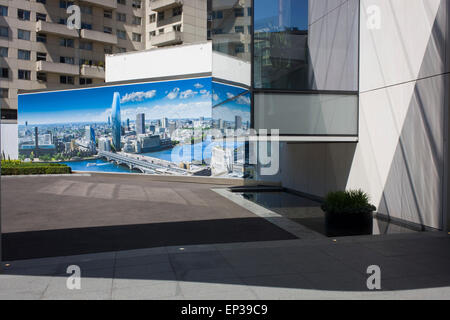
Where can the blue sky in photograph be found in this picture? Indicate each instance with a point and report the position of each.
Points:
(236, 107)
(176, 99)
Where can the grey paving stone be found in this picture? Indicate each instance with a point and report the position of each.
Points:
(143, 272)
(156, 279)
(141, 260)
(337, 281)
(197, 260)
(205, 275)
(154, 291)
(101, 280)
(140, 252)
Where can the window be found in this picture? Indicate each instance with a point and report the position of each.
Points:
(65, 4)
(41, 37)
(107, 14)
(86, 9)
(107, 30)
(281, 51)
(41, 16)
(23, 54)
(23, 34)
(136, 20)
(41, 1)
(5, 73)
(68, 43)
(136, 4)
(86, 26)
(4, 32)
(41, 56)
(249, 12)
(152, 18)
(68, 60)
(3, 11)
(161, 31)
(121, 50)
(41, 76)
(151, 34)
(136, 37)
(4, 52)
(160, 15)
(217, 31)
(86, 45)
(4, 92)
(66, 80)
(177, 11)
(84, 81)
(121, 17)
(24, 74)
(23, 14)
(108, 50)
(177, 27)
(122, 2)
(121, 34)
(239, 48)
(239, 29)
(62, 21)
(239, 12)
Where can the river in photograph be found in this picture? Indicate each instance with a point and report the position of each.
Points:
(98, 165)
(180, 153)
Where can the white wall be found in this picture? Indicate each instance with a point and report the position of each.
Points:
(9, 140)
(161, 62)
(229, 68)
(404, 84)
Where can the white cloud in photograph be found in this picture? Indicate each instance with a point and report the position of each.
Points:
(175, 111)
(188, 94)
(138, 96)
(173, 94)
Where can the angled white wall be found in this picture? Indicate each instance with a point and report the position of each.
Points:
(160, 62)
(404, 84)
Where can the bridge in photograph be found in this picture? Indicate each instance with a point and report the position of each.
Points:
(142, 165)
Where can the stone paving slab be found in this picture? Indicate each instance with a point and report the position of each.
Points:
(300, 269)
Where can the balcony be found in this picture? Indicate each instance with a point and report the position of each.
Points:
(161, 5)
(108, 4)
(92, 71)
(98, 36)
(167, 21)
(169, 38)
(54, 28)
(55, 67)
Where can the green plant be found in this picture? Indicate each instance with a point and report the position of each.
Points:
(17, 167)
(348, 202)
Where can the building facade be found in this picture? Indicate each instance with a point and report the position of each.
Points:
(38, 51)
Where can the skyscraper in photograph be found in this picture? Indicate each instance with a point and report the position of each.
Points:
(116, 123)
(164, 123)
(140, 123)
(237, 122)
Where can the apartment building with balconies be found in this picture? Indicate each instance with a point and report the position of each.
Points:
(38, 50)
(173, 22)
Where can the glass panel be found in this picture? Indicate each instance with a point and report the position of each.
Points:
(305, 45)
(230, 27)
(281, 41)
(307, 114)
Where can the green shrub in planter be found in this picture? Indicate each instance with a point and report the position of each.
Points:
(15, 167)
(347, 202)
(348, 213)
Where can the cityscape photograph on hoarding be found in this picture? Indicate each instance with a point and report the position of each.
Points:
(167, 127)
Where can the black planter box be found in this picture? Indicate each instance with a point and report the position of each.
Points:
(348, 224)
